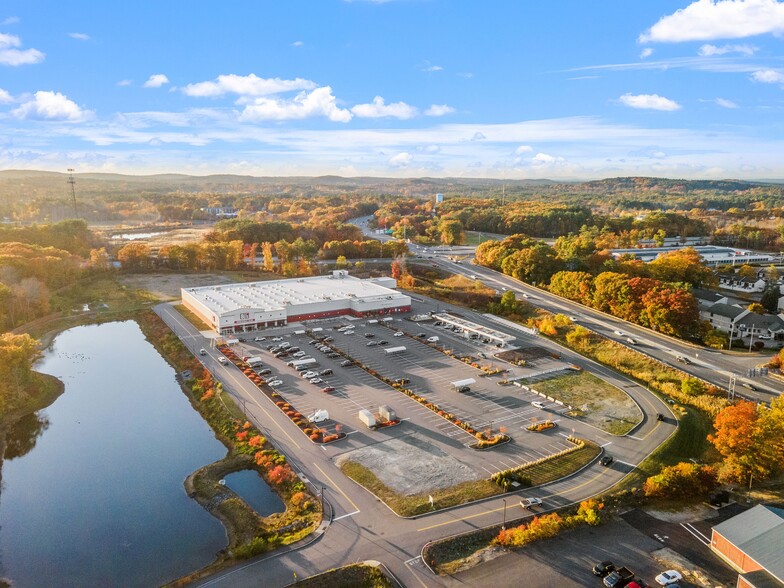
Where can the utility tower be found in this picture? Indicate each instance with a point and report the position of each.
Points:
(72, 181)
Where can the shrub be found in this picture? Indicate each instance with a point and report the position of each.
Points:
(684, 480)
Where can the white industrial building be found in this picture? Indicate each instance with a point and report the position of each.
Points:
(241, 308)
(711, 255)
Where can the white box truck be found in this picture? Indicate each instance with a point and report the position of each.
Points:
(254, 361)
(368, 418)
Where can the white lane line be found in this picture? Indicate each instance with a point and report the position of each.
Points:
(635, 438)
(351, 514)
(606, 444)
(696, 532)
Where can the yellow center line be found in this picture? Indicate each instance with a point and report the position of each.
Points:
(336, 486)
(656, 426)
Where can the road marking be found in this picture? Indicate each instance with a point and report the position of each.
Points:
(350, 514)
(461, 519)
(696, 532)
(631, 465)
(336, 486)
(635, 438)
(413, 560)
(606, 444)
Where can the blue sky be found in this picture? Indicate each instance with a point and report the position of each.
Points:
(516, 89)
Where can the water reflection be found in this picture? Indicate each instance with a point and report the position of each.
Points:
(21, 438)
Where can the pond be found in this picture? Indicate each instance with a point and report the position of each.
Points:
(137, 236)
(92, 487)
(255, 491)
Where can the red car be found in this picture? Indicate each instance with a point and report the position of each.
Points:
(328, 389)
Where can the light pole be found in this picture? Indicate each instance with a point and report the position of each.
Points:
(503, 526)
(322, 501)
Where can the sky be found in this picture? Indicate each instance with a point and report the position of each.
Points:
(395, 88)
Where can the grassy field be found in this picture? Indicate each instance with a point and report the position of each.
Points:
(192, 318)
(353, 576)
(596, 402)
(473, 238)
(555, 469)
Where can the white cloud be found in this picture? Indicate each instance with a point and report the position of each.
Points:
(649, 102)
(478, 136)
(523, 149)
(51, 106)
(431, 68)
(319, 102)
(5, 97)
(466, 74)
(724, 103)
(298, 44)
(378, 109)
(768, 76)
(122, 83)
(79, 36)
(439, 110)
(156, 81)
(401, 160)
(705, 20)
(250, 85)
(708, 50)
(11, 20)
(11, 55)
(645, 53)
(544, 159)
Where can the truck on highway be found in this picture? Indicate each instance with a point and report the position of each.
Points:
(618, 578)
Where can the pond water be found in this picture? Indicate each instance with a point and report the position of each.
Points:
(92, 487)
(255, 491)
(137, 236)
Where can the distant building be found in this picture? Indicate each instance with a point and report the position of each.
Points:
(220, 211)
(439, 198)
(753, 543)
(675, 242)
(739, 322)
(245, 307)
(711, 255)
(740, 284)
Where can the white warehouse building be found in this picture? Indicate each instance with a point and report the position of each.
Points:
(245, 307)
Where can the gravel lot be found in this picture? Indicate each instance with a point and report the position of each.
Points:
(393, 463)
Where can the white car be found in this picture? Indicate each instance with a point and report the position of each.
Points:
(537, 404)
(316, 380)
(398, 334)
(529, 502)
(668, 577)
(257, 339)
(277, 338)
(223, 360)
(619, 333)
(308, 375)
(275, 383)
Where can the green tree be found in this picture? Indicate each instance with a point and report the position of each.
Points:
(693, 386)
(576, 286)
(451, 232)
(770, 297)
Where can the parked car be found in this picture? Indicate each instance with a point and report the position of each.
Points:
(264, 372)
(346, 363)
(259, 339)
(298, 354)
(371, 344)
(309, 374)
(669, 577)
(277, 338)
(326, 372)
(464, 389)
(421, 335)
(403, 381)
(333, 355)
(316, 380)
(603, 568)
(383, 342)
(618, 578)
(313, 342)
(328, 389)
(328, 339)
(293, 349)
(607, 460)
(537, 404)
(369, 335)
(348, 332)
(398, 334)
(275, 383)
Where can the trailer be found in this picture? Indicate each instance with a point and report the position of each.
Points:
(303, 362)
(386, 413)
(368, 418)
(387, 320)
(462, 383)
(254, 361)
(393, 350)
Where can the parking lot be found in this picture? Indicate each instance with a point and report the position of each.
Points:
(431, 373)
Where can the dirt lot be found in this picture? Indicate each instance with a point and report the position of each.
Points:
(166, 286)
(392, 461)
(595, 401)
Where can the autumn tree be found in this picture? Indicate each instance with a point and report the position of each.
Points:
(451, 232)
(577, 286)
(269, 261)
(684, 480)
(134, 256)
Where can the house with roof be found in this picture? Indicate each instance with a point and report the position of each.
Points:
(738, 283)
(741, 323)
(753, 543)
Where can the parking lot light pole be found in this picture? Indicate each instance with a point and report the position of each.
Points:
(322, 500)
(503, 526)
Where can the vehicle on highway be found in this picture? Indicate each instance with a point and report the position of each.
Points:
(275, 383)
(346, 363)
(659, 416)
(607, 460)
(202, 351)
(398, 334)
(749, 386)
(529, 502)
(683, 359)
(619, 333)
(631, 341)
(603, 568)
(222, 360)
(537, 404)
(525, 295)
(668, 577)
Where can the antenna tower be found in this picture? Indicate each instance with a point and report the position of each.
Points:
(72, 182)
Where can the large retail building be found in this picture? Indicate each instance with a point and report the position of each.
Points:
(241, 308)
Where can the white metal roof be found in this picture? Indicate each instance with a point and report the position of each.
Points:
(279, 294)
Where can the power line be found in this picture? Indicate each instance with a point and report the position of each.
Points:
(72, 181)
